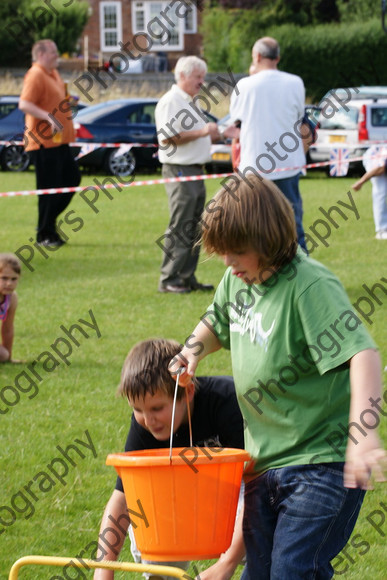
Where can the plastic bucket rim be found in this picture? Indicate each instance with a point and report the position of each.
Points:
(144, 458)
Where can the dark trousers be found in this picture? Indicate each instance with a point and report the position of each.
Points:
(54, 167)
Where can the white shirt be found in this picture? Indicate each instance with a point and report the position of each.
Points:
(270, 106)
(176, 112)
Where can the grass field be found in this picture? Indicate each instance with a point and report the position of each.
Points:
(109, 270)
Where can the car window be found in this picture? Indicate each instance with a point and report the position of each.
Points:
(379, 116)
(339, 119)
(6, 109)
(144, 114)
(91, 114)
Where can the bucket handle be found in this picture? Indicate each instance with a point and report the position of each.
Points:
(178, 373)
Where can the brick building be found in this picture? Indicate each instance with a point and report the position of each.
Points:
(142, 35)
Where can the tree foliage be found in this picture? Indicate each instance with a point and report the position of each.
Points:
(305, 12)
(324, 55)
(358, 11)
(277, 12)
(26, 21)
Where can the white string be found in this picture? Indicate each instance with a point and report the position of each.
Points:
(173, 412)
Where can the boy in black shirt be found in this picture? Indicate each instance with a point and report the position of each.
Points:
(148, 386)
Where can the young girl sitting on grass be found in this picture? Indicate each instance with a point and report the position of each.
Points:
(306, 373)
(9, 276)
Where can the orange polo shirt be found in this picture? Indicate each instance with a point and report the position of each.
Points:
(47, 91)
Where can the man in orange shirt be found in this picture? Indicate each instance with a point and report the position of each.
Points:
(48, 132)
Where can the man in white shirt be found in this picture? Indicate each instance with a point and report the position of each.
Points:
(269, 105)
(185, 138)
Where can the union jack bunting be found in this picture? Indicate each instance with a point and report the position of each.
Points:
(339, 162)
(86, 149)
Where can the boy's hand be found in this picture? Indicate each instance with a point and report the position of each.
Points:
(185, 364)
(363, 460)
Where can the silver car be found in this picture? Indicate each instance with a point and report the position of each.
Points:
(352, 119)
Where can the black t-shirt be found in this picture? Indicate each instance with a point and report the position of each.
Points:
(216, 421)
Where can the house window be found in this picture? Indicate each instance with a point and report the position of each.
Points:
(165, 22)
(111, 25)
(190, 19)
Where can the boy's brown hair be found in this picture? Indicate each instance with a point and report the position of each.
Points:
(146, 371)
(256, 216)
(10, 260)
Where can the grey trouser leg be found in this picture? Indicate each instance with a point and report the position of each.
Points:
(186, 203)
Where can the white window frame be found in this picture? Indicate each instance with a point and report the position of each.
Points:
(145, 6)
(103, 30)
(194, 18)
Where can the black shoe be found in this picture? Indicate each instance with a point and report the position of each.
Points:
(204, 287)
(174, 288)
(47, 243)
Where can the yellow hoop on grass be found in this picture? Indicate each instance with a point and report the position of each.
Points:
(123, 566)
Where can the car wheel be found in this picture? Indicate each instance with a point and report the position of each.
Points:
(121, 164)
(14, 158)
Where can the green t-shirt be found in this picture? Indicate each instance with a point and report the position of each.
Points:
(290, 340)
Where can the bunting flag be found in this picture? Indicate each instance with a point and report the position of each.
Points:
(124, 147)
(86, 149)
(339, 162)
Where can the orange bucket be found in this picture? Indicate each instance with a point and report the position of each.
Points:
(181, 507)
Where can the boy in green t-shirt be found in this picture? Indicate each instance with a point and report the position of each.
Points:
(305, 370)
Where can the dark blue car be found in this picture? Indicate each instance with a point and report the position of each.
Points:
(119, 121)
(12, 123)
(12, 157)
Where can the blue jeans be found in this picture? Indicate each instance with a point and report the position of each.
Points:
(296, 520)
(290, 189)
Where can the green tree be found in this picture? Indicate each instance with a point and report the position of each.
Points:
(26, 21)
(358, 11)
(9, 44)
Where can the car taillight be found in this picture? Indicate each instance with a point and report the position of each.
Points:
(82, 133)
(363, 133)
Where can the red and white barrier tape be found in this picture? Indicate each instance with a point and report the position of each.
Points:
(161, 181)
(81, 143)
(110, 185)
(360, 145)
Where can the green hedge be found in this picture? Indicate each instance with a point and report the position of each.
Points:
(325, 56)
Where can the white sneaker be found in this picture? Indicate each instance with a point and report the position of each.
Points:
(382, 235)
